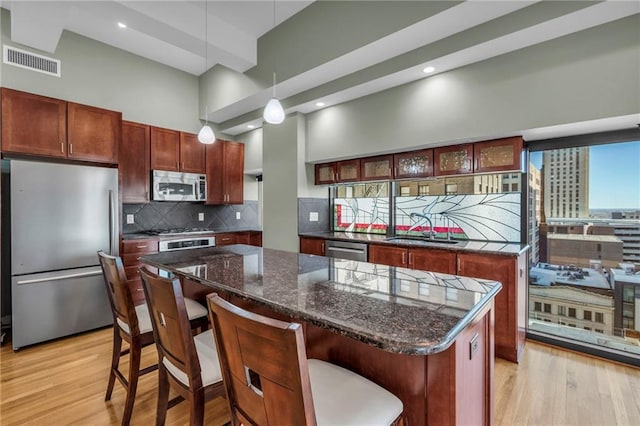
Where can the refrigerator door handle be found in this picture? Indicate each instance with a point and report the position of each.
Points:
(112, 225)
(60, 277)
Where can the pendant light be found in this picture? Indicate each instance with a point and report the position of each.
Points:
(273, 112)
(206, 135)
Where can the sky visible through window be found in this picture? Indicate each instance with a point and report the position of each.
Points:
(614, 175)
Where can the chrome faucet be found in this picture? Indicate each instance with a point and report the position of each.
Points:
(430, 234)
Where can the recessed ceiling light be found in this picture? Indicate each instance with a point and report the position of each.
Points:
(320, 104)
(251, 126)
(427, 70)
(122, 25)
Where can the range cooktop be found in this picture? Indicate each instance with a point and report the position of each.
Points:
(169, 231)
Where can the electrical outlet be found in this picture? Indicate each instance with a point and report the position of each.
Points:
(130, 219)
(313, 216)
(238, 216)
(201, 217)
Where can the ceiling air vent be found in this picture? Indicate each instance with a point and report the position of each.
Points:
(31, 61)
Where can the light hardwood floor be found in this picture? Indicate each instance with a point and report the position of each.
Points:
(63, 382)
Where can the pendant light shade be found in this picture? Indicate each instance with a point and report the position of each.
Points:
(273, 112)
(206, 135)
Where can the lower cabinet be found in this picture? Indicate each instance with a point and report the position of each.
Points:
(312, 246)
(253, 238)
(426, 259)
(130, 251)
(510, 303)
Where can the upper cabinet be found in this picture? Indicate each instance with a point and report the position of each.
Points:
(376, 168)
(192, 154)
(176, 151)
(498, 155)
(165, 149)
(134, 163)
(93, 133)
(225, 172)
(337, 171)
(453, 160)
(38, 125)
(414, 164)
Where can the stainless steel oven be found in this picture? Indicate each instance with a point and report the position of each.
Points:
(186, 243)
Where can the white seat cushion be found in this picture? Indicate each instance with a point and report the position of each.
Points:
(194, 310)
(342, 397)
(207, 356)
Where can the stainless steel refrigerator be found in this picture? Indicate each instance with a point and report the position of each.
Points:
(61, 215)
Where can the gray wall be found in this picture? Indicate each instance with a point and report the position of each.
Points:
(280, 204)
(100, 75)
(589, 75)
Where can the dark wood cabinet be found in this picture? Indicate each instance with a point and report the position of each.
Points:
(348, 171)
(134, 163)
(243, 238)
(414, 164)
(255, 238)
(325, 173)
(388, 255)
(425, 259)
(225, 239)
(312, 246)
(453, 160)
(33, 124)
(498, 155)
(510, 303)
(192, 154)
(38, 125)
(93, 134)
(165, 149)
(433, 260)
(130, 251)
(225, 172)
(376, 168)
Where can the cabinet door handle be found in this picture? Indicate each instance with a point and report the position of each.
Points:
(62, 147)
(458, 267)
(70, 148)
(404, 258)
(322, 248)
(410, 259)
(141, 247)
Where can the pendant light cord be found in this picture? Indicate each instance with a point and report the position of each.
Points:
(206, 59)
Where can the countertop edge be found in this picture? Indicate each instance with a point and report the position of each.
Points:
(329, 235)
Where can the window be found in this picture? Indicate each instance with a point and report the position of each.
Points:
(600, 317)
(452, 294)
(582, 213)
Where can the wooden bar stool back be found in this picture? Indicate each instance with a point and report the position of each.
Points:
(187, 364)
(269, 381)
(131, 323)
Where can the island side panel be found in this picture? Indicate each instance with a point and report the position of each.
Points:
(460, 379)
(402, 375)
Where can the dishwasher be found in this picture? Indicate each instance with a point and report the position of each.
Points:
(346, 250)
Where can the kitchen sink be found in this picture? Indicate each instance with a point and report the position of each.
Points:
(420, 240)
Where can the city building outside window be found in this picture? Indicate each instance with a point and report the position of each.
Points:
(585, 239)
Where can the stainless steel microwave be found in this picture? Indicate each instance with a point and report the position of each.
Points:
(178, 186)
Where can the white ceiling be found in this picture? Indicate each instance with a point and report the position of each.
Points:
(173, 33)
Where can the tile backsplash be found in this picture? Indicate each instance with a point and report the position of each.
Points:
(308, 208)
(159, 215)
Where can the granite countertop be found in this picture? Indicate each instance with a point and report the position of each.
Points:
(489, 247)
(395, 309)
(139, 236)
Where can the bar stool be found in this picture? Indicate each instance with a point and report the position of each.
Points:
(187, 364)
(132, 324)
(269, 381)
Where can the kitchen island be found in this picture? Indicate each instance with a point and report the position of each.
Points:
(426, 337)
